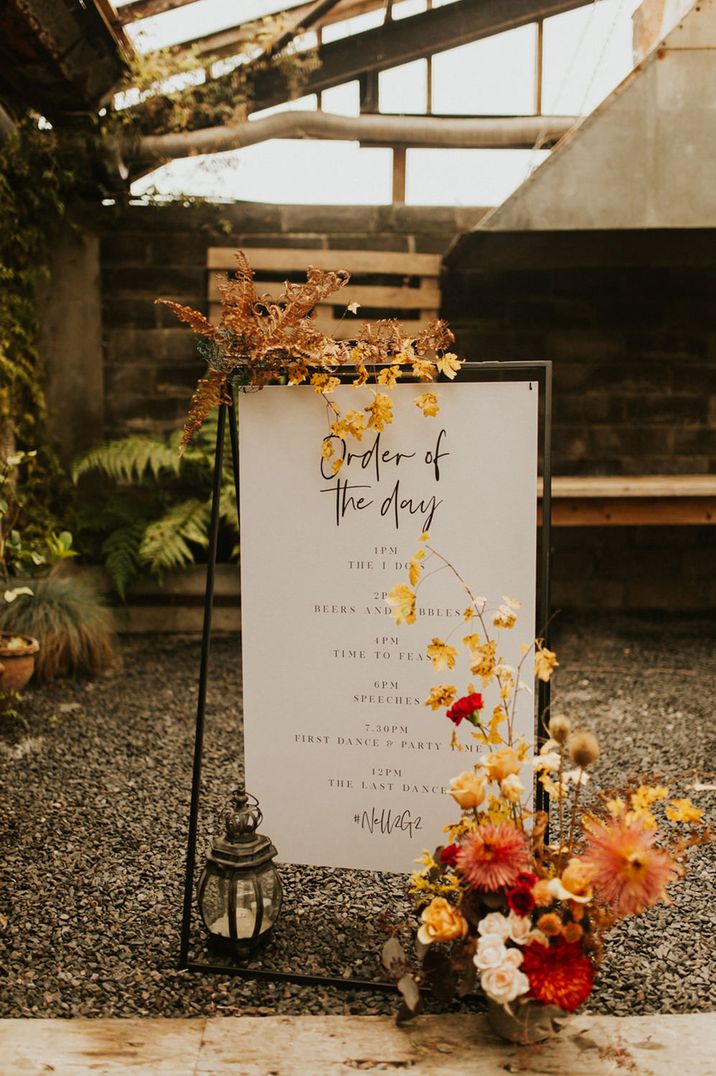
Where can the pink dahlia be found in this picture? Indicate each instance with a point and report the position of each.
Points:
(493, 855)
(629, 873)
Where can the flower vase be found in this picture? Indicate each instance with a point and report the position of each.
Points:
(527, 1021)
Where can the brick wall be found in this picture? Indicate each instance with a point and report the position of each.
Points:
(629, 323)
(150, 361)
(628, 320)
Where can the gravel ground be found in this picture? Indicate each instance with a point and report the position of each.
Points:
(93, 808)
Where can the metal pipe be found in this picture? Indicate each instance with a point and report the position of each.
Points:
(484, 132)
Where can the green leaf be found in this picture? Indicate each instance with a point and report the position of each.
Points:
(121, 555)
(166, 541)
(411, 994)
(394, 957)
(129, 460)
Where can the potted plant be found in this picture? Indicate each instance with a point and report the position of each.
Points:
(17, 661)
(50, 624)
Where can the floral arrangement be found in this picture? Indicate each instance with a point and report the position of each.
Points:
(259, 339)
(502, 905)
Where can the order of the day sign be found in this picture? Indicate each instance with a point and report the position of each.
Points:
(350, 767)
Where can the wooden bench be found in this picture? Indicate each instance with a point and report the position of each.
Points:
(385, 284)
(651, 500)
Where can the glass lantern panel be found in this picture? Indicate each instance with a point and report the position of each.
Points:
(245, 915)
(270, 884)
(214, 904)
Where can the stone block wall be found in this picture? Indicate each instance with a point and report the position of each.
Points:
(628, 319)
(150, 362)
(629, 323)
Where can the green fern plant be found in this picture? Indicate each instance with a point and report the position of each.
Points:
(129, 459)
(154, 515)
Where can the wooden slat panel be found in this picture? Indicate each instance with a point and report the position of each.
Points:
(635, 486)
(642, 511)
(378, 297)
(280, 260)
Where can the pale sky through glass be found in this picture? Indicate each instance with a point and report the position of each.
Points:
(587, 52)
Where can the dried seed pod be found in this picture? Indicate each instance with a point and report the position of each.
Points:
(583, 748)
(559, 729)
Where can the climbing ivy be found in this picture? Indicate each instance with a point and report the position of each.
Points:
(36, 181)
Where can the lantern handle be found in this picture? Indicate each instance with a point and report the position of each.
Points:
(243, 817)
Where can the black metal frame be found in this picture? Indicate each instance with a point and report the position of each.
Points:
(541, 372)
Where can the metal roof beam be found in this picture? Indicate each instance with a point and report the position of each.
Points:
(414, 38)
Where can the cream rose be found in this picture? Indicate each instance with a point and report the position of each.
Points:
(441, 922)
(491, 952)
(495, 923)
(500, 764)
(549, 761)
(512, 788)
(468, 790)
(519, 927)
(514, 957)
(504, 984)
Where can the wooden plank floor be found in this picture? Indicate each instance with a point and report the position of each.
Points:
(342, 1046)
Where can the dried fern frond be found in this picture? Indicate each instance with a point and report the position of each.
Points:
(382, 337)
(209, 393)
(193, 318)
(238, 295)
(260, 339)
(436, 336)
(298, 300)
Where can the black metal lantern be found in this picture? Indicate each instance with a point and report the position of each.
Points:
(239, 890)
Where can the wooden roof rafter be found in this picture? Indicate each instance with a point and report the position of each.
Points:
(139, 10)
(147, 9)
(229, 40)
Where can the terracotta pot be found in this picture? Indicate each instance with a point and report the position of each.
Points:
(527, 1021)
(17, 663)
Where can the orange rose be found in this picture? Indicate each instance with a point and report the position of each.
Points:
(441, 922)
(575, 883)
(542, 893)
(500, 764)
(468, 790)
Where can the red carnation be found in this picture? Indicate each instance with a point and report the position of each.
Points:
(520, 899)
(448, 854)
(559, 974)
(528, 878)
(466, 708)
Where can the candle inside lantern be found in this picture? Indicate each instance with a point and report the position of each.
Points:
(245, 919)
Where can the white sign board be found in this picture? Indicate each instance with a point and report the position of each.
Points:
(349, 766)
